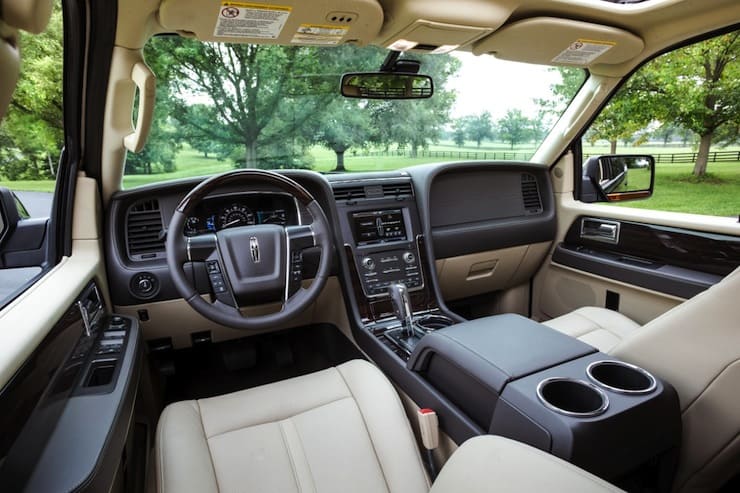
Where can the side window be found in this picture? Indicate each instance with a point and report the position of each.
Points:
(31, 136)
(683, 108)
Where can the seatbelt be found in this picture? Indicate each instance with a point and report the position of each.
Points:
(429, 427)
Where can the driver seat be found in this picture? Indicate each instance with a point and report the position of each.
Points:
(338, 430)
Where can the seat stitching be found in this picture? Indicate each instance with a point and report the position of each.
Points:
(303, 448)
(290, 455)
(208, 444)
(711, 382)
(364, 422)
(251, 425)
(598, 327)
(160, 453)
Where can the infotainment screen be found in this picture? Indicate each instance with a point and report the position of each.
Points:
(378, 226)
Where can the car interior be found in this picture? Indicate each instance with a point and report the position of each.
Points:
(450, 327)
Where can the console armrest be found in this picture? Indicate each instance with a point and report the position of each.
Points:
(498, 349)
(487, 463)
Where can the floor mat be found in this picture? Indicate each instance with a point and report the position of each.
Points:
(229, 366)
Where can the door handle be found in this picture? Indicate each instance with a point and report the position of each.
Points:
(600, 230)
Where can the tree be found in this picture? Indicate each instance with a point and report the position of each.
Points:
(698, 87)
(416, 123)
(458, 132)
(571, 80)
(479, 127)
(513, 127)
(194, 129)
(344, 126)
(33, 131)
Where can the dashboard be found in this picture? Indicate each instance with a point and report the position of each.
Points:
(242, 209)
(386, 223)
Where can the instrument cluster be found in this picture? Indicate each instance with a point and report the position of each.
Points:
(242, 209)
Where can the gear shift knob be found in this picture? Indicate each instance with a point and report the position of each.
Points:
(402, 307)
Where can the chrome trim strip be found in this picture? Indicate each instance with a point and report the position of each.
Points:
(590, 414)
(653, 382)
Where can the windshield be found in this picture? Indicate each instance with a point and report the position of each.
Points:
(222, 106)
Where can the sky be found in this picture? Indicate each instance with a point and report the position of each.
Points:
(487, 83)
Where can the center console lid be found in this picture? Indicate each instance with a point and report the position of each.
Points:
(495, 350)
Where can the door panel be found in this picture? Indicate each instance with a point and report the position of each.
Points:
(67, 384)
(660, 259)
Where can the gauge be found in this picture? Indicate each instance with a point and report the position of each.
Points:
(235, 215)
(272, 217)
(192, 226)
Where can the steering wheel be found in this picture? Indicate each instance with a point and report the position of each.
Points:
(249, 265)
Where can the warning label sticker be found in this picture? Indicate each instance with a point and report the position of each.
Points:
(250, 20)
(316, 34)
(583, 51)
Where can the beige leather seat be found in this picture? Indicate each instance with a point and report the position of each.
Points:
(695, 347)
(341, 429)
(599, 327)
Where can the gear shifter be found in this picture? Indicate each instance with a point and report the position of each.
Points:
(402, 308)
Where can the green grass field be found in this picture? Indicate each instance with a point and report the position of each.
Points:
(675, 188)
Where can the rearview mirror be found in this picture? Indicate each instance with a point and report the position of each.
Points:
(386, 85)
(617, 178)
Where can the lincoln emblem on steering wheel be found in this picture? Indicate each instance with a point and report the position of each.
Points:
(269, 273)
(254, 248)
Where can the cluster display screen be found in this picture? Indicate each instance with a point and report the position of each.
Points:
(378, 226)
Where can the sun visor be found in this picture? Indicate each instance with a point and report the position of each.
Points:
(326, 23)
(552, 41)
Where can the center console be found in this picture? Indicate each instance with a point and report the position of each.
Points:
(383, 241)
(504, 375)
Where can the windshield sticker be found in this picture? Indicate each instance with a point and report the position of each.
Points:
(251, 20)
(583, 51)
(316, 34)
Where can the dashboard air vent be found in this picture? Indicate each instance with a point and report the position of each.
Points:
(397, 189)
(379, 191)
(531, 194)
(144, 237)
(349, 193)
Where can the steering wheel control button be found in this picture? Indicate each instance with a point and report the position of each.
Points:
(217, 282)
(213, 267)
(144, 285)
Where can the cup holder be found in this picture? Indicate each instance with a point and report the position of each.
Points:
(621, 377)
(571, 397)
(433, 322)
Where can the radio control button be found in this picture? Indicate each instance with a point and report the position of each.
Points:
(368, 263)
(409, 258)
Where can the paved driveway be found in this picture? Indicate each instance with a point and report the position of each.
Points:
(38, 204)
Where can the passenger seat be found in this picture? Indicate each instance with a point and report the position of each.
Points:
(599, 327)
(696, 347)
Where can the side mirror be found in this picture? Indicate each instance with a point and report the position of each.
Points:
(386, 85)
(617, 178)
(10, 214)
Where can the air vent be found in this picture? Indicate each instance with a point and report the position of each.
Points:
(397, 189)
(531, 194)
(144, 237)
(379, 191)
(349, 193)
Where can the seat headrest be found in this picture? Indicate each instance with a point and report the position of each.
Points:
(28, 15)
